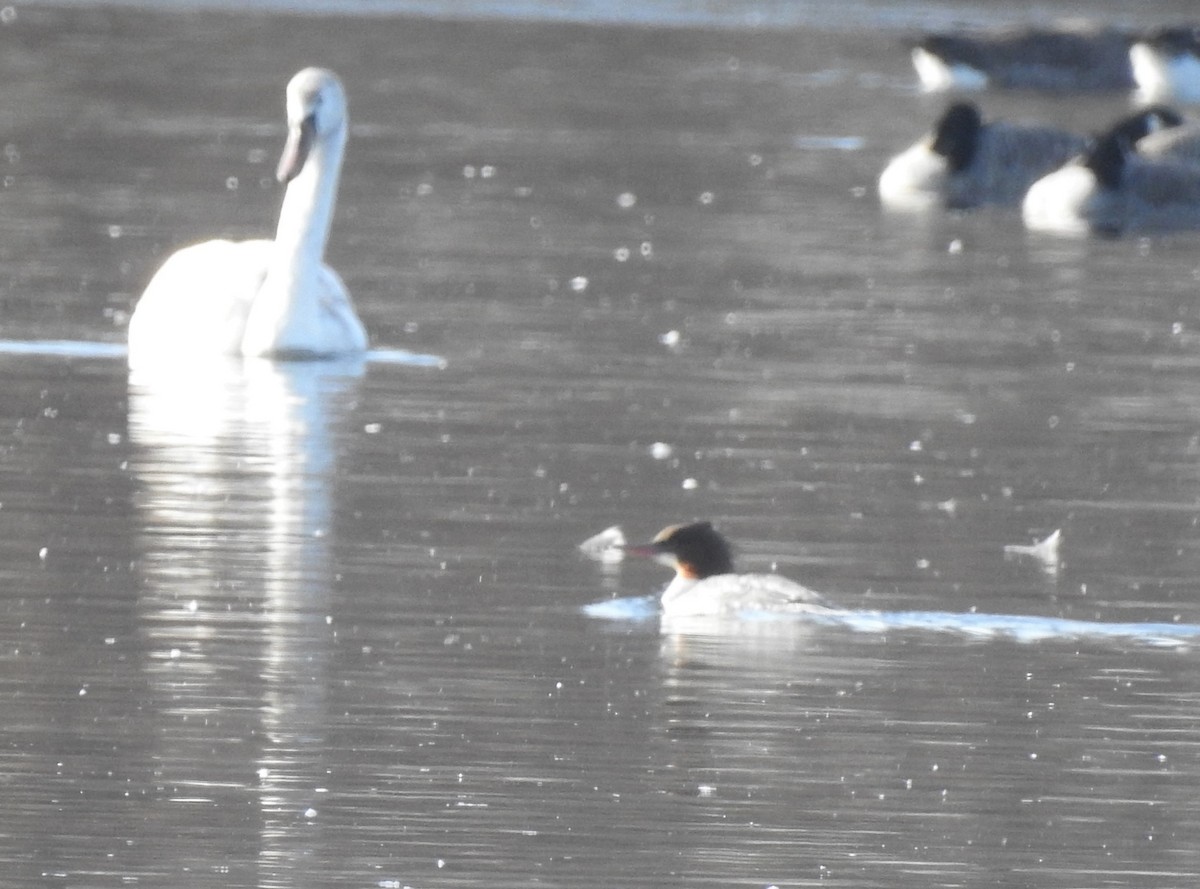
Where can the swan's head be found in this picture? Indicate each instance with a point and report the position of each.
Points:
(316, 113)
(694, 551)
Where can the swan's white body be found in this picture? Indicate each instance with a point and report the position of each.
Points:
(738, 593)
(262, 298)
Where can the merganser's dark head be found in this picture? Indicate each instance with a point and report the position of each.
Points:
(695, 551)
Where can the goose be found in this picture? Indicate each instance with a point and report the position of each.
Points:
(1073, 56)
(1166, 63)
(965, 162)
(1112, 188)
(264, 298)
(1180, 142)
(706, 584)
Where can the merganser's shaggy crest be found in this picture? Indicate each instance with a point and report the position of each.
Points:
(274, 299)
(705, 581)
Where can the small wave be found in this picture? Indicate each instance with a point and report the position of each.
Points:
(638, 608)
(1018, 627)
(67, 348)
(403, 356)
(88, 349)
(829, 143)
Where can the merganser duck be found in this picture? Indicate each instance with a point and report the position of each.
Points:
(706, 584)
(260, 298)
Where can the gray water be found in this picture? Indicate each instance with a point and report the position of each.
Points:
(294, 626)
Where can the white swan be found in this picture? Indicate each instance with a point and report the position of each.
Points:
(273, 299)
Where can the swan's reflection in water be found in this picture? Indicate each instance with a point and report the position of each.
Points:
(235, 464)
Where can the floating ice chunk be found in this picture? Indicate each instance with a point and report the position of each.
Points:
(607, 546)
(1044, 551)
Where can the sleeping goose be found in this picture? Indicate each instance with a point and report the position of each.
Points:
(1166, 64)
(1069, 57)
(1112, 188)
(965, 162)
(265, 298)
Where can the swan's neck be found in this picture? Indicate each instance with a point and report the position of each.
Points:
(286, 314)
(308, 203)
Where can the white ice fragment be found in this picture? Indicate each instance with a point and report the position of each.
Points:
(660, 450)
(670, 338)
(608, 546)
(1045, 552)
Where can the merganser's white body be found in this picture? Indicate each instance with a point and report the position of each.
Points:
(705, 583)
(264, 298)
(732, 593)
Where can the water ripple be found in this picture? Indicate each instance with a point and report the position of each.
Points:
(88, 349)
(1018, 627)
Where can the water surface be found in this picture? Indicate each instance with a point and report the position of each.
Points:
(324, 625)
